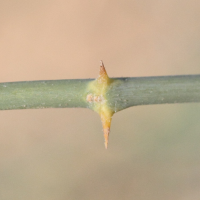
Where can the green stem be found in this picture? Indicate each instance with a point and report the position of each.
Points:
(154, 90)
(122, 92)
(43, 94)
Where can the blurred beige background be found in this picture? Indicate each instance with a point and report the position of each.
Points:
(58, 154)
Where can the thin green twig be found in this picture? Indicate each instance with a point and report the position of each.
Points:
(122, 92)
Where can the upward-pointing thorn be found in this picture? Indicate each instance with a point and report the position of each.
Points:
(101, 63)
(103, 77)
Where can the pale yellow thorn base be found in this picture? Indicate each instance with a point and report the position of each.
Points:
(105, 113)
(98, 101)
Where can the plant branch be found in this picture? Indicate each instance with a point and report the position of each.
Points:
(43, 94)
(154, 90)
(122, 92)
(104, 95)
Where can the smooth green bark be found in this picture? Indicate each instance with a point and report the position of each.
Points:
(122, 92)
(154, 90)
(43, 94)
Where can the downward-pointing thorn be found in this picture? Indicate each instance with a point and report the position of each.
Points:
(106, 135)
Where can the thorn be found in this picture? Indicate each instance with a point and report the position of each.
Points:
(98, 100)
(106, 118)
(106, 135)
(105, 112)
(102, 73)
(101, 63)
